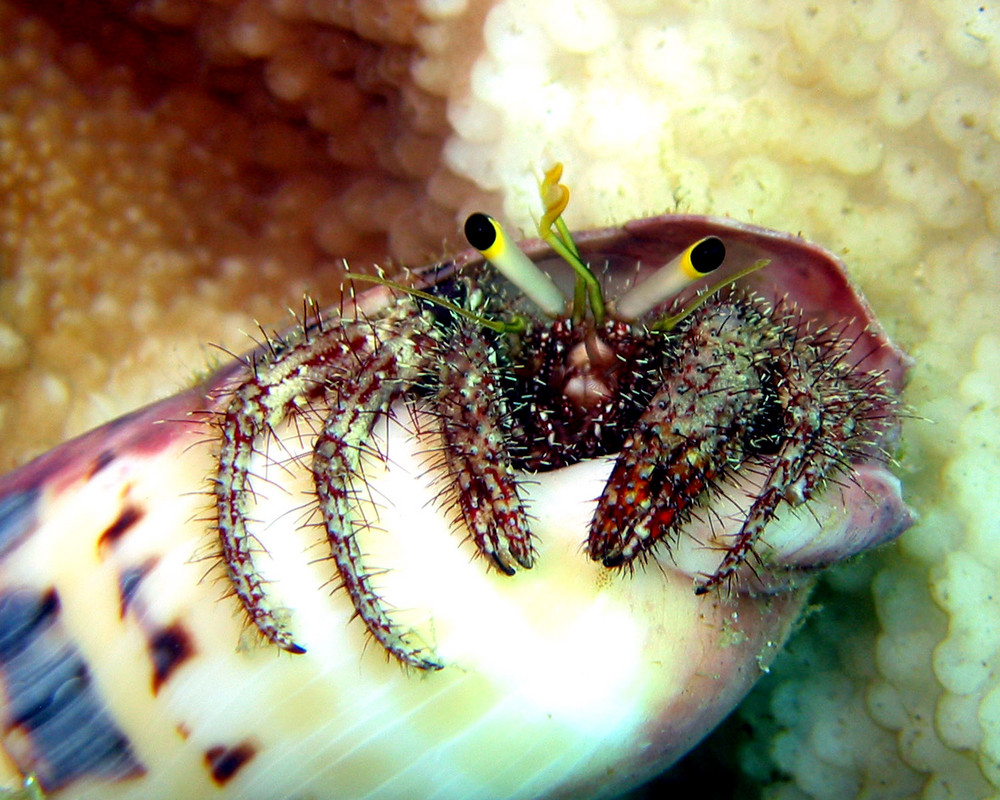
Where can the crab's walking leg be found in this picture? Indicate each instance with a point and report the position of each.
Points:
(397, 362)
(279, 384)
(472, 411)
(796, 471)
(796, 466)
(830, 416)
(761, 512)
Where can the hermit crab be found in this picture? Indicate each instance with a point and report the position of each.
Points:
(574, 494)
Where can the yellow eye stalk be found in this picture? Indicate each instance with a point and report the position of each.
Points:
(669, 323)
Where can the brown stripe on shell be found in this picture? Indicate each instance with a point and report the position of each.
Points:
(128, 517)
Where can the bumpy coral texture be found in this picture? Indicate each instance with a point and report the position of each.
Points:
(230, 152)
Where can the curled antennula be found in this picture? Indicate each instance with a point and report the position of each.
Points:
(694, 263)
(555, 196)
(489, 238)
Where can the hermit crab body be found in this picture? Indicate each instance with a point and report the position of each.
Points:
(648, 493)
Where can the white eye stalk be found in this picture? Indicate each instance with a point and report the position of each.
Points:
(489, 238)
(703, 257)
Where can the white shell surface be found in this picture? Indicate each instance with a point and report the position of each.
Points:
(566, 678)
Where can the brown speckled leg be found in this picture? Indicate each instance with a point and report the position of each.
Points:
(472, 414)
(359, 401)
(280, 380)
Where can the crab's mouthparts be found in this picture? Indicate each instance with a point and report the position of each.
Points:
(591, 368)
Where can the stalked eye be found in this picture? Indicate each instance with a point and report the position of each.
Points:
(703, 257)
(694, 262)
(489, 238)
(482, 231)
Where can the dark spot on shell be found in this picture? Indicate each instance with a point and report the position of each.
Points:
(225, 762)
(169, 648)
(104, 459)
(129, 582)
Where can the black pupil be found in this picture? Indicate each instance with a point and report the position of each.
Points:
(707, 255)
(480, 232)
